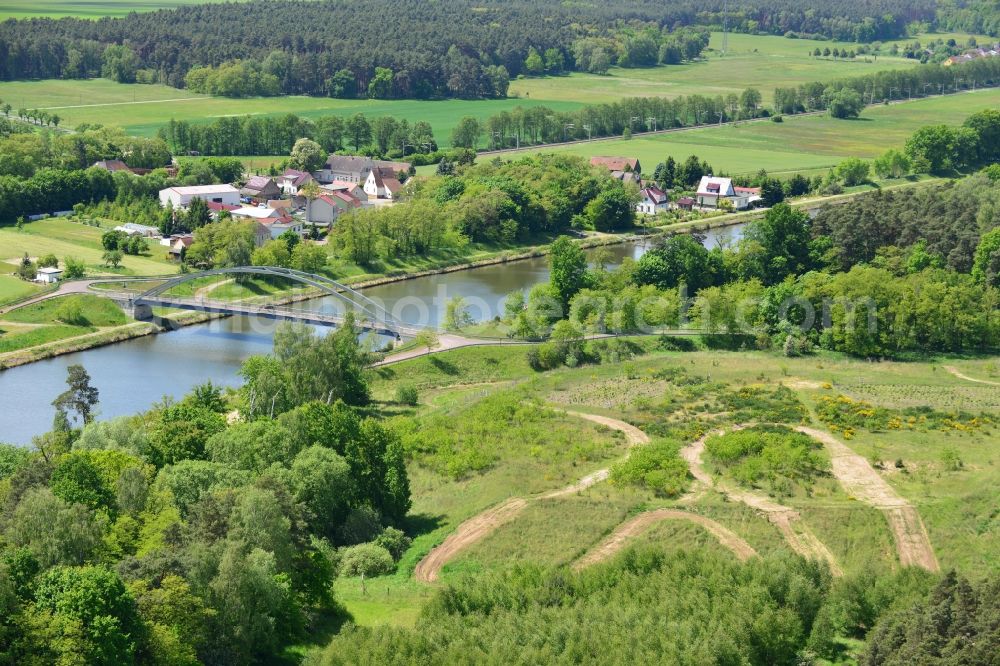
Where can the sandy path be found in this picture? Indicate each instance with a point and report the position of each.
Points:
(862, 482)
(639, 524)
(798, 536)
(480, 526)
(953, 370)
(468, 533)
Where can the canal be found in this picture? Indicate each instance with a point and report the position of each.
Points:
(134, 374)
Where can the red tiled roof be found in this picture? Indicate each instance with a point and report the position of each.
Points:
(615, 163)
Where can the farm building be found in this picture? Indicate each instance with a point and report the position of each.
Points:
(181, 197)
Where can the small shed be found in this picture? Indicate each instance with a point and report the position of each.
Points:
(48, 275)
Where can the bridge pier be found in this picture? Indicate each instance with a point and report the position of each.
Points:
(141, 311)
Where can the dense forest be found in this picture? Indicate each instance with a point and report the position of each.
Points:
(179, 536)
(415, 50)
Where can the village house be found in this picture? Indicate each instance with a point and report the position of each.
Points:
(215, 208)
(382, 184)
(177, 245)
(326, 208)
(353, 189)
(180, 197)
(653, 201)
(293, 180)
(685, 203)
(260, 188)
(355, 169)
(713, 190)
(276, 221)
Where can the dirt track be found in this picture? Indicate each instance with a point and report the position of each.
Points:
(953, 370)
(480, 526)
(639, 524)
(468, 533)
(797, 534)
(861, 481)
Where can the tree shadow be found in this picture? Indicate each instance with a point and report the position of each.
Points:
(416, 524)
(447, 367)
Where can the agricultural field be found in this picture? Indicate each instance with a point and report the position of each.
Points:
(797, 144)
(763, 62)
(942, 465)
(58, 8)
(143, 109)
(767, 62)
(66, 238)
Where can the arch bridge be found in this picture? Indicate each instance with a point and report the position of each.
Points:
(369, 315)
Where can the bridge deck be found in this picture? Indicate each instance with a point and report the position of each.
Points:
(275, 312)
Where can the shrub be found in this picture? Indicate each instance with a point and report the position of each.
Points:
(407, 395)
(366, 559)
(394, 541)
(48, 261)
(656, 466)
(768, 453)
(362, 524)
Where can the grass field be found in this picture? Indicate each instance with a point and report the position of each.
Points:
(13, 288)
(143, 109)
(797, 144)
(65, 238)
(763, 62)
(42, 323)
(96, 9)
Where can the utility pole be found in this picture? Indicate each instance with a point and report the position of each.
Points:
(566, 127)
(587, 127)
(652, 121)
(721, 114)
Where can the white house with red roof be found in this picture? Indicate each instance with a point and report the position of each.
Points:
(713, 189)
(653, 201)
(382, 183)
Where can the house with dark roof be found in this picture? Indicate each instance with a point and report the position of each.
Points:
(111, 165)
(293, 180)
(354, 168)
(653, 201)
(260, 188)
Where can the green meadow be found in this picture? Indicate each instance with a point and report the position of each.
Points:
(759, 61)
(762, 62)
(95, 9)
(797, 144)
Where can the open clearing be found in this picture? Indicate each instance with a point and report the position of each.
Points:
(479, 527)
(97, 9)
(864, 483)
(765, 62)
(799, 537)
(632, 528)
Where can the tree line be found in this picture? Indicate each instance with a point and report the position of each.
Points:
(449, 48)
(842, 98)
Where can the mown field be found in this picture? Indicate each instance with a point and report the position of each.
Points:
(762, 62)
(143, 109)
(96, 9)
(66, 238)
(654, 391)
(797, 144)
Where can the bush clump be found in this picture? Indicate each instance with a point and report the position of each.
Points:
(773, 454)
(366, 559)
(657, 467)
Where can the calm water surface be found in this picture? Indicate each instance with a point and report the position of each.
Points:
(131, 375)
